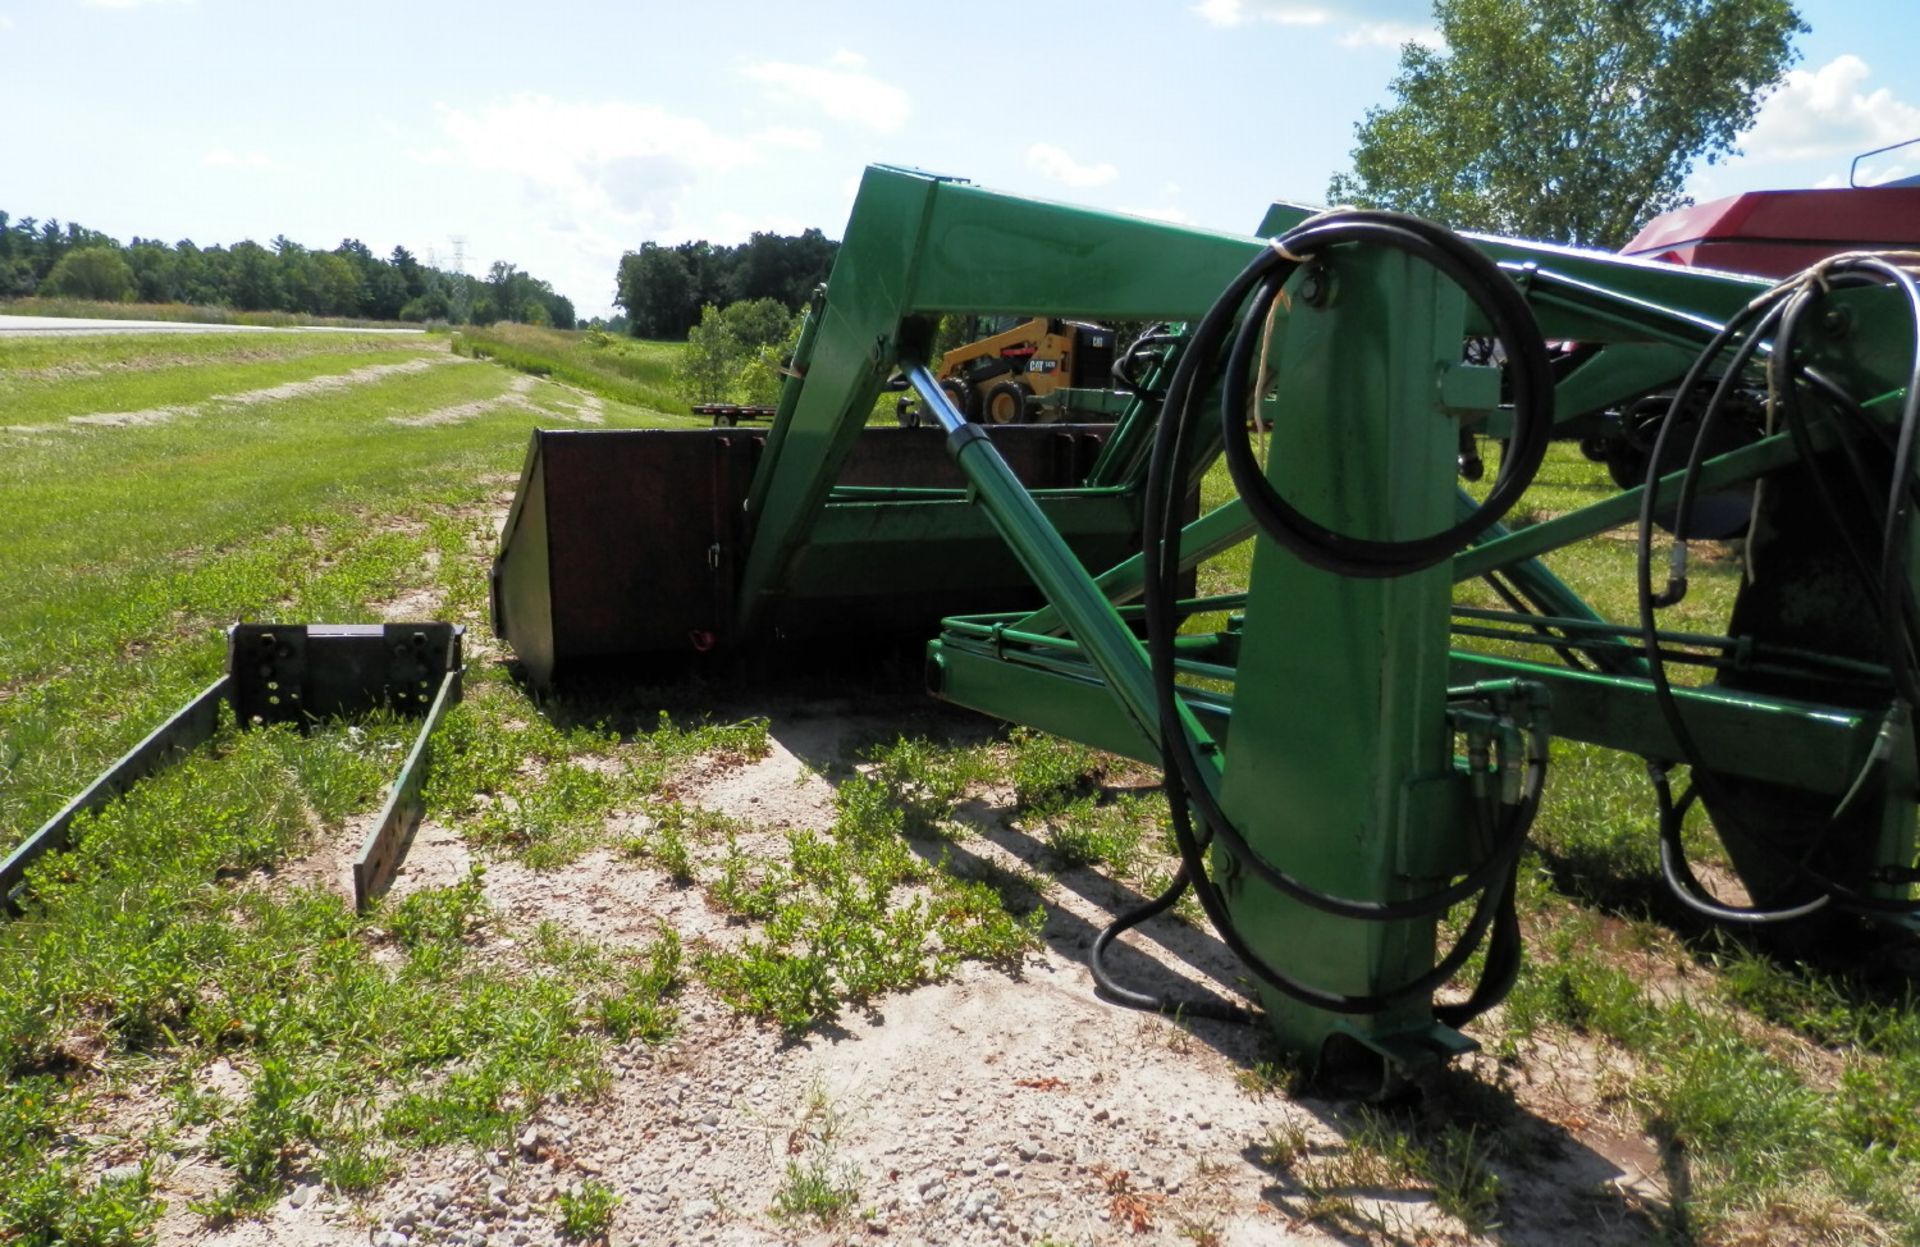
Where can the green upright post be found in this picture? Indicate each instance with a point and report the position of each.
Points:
(1339, 764)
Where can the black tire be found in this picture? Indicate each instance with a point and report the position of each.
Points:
(725, 420)
(963, 397)
(1005, 403)
(906, 412)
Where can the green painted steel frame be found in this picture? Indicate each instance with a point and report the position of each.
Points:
(916, 247)
(1338, 720)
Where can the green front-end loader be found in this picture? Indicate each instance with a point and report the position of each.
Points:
(1353, 757)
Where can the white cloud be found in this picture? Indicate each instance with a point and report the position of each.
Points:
(1391, 35)
(795, 138)
(227, 158)
(733, 228)
(129, 4)
(1056, 164)
(1354, 33)
(6, 23)
(1873, 173)
(1231, 13)
(1826, 112)
(633, 161)
(844, 92)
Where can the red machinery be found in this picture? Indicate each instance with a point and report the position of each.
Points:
(1778, 233)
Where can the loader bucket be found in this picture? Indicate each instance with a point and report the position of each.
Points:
(628, 543)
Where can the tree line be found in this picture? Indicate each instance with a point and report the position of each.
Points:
(663, 288)
(49, 259)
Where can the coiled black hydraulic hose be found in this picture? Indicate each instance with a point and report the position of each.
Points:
(1513, 325)
(1780, 311)
(1492, 880)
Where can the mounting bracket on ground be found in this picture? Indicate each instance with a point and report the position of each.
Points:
(300, 674)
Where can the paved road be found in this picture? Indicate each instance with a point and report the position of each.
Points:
(56, 326)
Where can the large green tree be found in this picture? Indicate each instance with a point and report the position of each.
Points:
(734, 354)
(1568, 120)
(91, 273)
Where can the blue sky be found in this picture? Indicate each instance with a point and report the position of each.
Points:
(559, 135)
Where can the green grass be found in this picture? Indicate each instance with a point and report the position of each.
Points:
(160, 943)
(130, 547)
(1787, 1098)
(133, 946)
(201, 314)
(141, 374)
(625, 370)
(163, 941)
(814, 1187)
(1765, 1140)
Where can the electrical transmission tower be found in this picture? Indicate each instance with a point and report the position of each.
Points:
(462, 297)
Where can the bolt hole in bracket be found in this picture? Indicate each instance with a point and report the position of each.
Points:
(301, 674)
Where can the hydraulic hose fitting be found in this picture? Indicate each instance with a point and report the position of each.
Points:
(1676, 589)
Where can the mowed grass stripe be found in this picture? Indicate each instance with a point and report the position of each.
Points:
(30, 397)
(53, 357)
(107, 496)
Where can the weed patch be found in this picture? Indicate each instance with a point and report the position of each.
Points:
(838, 926)
(586, 1212)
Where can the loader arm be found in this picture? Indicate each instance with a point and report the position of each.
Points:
(918, 247)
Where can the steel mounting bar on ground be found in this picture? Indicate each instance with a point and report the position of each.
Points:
(184, 730)
(297, 674)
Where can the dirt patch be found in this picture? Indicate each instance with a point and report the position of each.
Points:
(586, 407)
(1003, 1105)
(412, 606)
(783, 791)
(333, 381)
(460, 413)
(328, 866)
(127, 419)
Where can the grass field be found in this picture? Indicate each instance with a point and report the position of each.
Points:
(619, 368)
(154, 490)
(188, 312)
